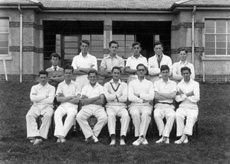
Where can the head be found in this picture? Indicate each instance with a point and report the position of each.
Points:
(165, 72)
(54, 59)
(158, 48)
(186, 72)
(92, 76)
(183, 54)
(141, 70)
(136, 47)
(68, 72)
(84, 46)
(116, 72)
(43, 77)
(113, 46)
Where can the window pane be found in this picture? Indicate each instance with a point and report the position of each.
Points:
(3, 51)
(209, 51)
(220, 44)
(210, 38)
(228, 38)
(210, 44)
(220, 38)
(5, 37)
(228, 45)
(210, 30)
(3, 29)
(228, 51)
(4, 23)
(3, 43)
(221, 27)
(221, 51)
(209, 24)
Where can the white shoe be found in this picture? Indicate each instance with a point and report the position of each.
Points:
(37, 141)
(95, 139)
(113, 142)
(138, 141)
(167, 141)
(178, 141)
(58, 140)
(32, 140)
(145, 142)
(122, 142)
(185, 141)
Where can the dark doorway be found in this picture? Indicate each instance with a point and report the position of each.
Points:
(146, 41)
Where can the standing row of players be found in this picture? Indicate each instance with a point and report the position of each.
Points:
(140, 93)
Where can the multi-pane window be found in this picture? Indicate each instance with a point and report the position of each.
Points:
(217, 37)
(4, 36)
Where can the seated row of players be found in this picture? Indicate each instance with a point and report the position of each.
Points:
(140, 92)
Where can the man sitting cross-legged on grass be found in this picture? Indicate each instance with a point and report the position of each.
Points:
(188, 93)
(141, 94)
(165, 92)
(116, 94)
(92, 99)
(68, 93)
(42, 96)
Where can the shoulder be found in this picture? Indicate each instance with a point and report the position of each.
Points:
(176, 63)
(49, 69)
(61, 69)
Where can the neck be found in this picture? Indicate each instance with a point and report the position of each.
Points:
(183, 61)
(92, 84)
(141, 78)
(67, 81)
(115, 80)
(165, 80)
(84, 53)
(186, 80)
(112, 54)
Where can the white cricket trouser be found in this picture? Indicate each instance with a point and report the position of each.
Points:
(86, 112)
(62, 129)
(167, 111)
(82, 80)
(191, 114)
(32, 128)
(141, 117)
(121, 111)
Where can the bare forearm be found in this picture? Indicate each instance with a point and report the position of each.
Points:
(87, 101)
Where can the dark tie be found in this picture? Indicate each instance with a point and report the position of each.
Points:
(55, 68)
(159, 61)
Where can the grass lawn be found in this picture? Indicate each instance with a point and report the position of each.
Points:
(212, 146)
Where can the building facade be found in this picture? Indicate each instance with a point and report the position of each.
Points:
(30, 30)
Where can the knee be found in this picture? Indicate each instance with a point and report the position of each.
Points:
(110, 115)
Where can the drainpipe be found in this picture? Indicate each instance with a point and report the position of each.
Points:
(193, 35)
(20, 56)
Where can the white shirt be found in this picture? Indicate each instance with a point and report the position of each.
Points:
(191, 86)
(116, 94)
(177, 70)
(89, 61)
(132, 62)
(109, 62)
(67, 90)
(161, 86)
(144, 88)
(42, 95)
(153, 67)
(91, 91)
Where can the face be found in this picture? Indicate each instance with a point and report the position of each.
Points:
(183, 55)
(92, 78)
(116, 74)
(68, 74)
(113, 48)
(165, 74)
(43, 79)
(141, 71)
(158, 49)
(54, 61)
(136, 49)
(186, 75)
(84, 48)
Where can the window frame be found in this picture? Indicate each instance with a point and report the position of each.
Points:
(8, 55)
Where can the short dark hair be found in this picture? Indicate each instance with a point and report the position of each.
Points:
(67, 66)
(85, 41)
(141, 65)
(185, 69)
(182, 49)
(164, 67)
(93, 71)
(136, 43)
(54, 54)
(43, 72)
(158, 43)
(113, 42)
(116, 67)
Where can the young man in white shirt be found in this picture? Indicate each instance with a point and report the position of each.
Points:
(165, 92)
(116, 93)
(188, 93)
(155, 62)
(83, 63)
(133, 61)
(68, 94)
(55, 72)
(176, 69)
(92, 99)
(110, 61)
(140, 94)
(42, 96)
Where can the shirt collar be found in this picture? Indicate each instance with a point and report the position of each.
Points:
(83, 56)
(119, 81)
(109, 56)
(182, 81)
(96, 85)
(52, 67)
(138, 57)
(164, 81)
(40, 86)
(185, 63)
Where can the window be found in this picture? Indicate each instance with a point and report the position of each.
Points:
(4, 33)
(217, 37)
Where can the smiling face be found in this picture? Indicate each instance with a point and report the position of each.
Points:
(43, 79)
(116, 74)
(165, 74)
(68, 74)
(54, 61)
(113, 48)
(158, 49)
(84, 48)
(186, 75)
(92, 78)
(136, 50)
(141, 71)
(183, 55)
